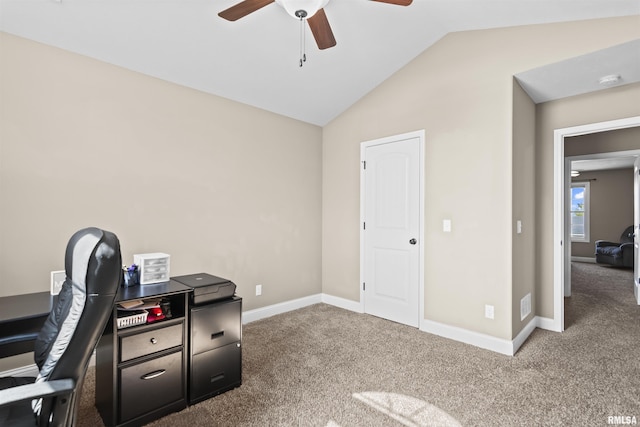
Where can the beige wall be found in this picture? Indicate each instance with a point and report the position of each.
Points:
(523, 210)
(465, 148)
(611, 207)
(611, 104)
(222, 187)
(461, 92)
(603, 142)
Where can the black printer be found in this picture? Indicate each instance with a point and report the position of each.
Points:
(207, 288)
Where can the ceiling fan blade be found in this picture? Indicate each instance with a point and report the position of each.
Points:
(243, 8)
(396, 2)
(321, 30)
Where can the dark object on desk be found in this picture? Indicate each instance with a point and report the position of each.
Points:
(155, 314)
(69, 336)
(165, 305)
(207, 288)
(131, 276)
(619, 254)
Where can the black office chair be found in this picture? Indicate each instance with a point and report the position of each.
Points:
(69, 336)
(618, 254)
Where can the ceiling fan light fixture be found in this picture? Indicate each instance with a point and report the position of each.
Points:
(302, 9)
(610, 80)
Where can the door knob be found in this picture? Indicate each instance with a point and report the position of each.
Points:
(413, 241)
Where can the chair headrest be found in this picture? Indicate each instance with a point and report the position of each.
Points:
(627, 235)
(92, 253)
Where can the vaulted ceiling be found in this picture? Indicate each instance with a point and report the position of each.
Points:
(255, 60)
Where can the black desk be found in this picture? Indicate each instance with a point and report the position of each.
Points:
(21, 318)
(141, 371)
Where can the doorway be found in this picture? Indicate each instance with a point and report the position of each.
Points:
(391, 232)
(614, 209)
(562, 239)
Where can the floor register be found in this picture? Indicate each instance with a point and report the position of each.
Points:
(188, 348)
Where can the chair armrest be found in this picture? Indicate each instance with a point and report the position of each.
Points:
(12, 339)
(603, 243)
(627, 245)
(35, 391)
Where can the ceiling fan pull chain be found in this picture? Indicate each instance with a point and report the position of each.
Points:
(303, 55)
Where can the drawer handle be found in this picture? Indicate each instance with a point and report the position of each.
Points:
(217, 378)
(152, 375)
(217, 335)
(153, 341)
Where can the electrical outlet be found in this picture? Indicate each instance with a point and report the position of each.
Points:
(488, 311)
(57, 279)
(258, 290)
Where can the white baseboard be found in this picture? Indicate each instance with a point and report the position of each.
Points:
(22, 371)
(283, 307)
(32, 370)
(523, 335)
(547, 324)
(488, 342)
(583, 259)
(343, 303)
(466, 336)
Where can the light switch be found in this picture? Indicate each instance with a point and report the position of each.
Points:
(446, 225)
(518, 226)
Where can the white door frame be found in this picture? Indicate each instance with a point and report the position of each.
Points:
(420, 134)
(561, 181)
(636, 230)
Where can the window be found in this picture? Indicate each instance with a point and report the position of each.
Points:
(580, 212)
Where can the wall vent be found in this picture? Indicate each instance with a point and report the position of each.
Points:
(525, 306)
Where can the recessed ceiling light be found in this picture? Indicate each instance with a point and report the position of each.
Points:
(610, 80)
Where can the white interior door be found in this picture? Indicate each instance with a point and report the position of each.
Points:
(391, 230)
(636, 229)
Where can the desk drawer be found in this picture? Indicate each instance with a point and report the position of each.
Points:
(215, 371)
(151, 385)
(151, 341)
(215, 325)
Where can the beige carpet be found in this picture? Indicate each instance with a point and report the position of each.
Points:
(323, 366)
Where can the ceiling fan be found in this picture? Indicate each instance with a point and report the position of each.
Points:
(309, 10)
